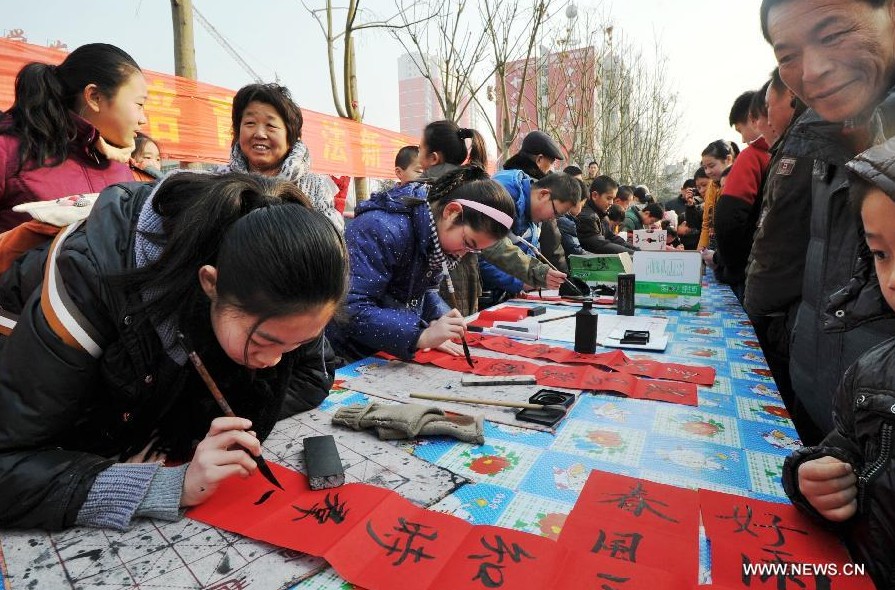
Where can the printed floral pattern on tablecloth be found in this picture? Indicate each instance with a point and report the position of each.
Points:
(750, 343)
(776, 439)
(695, 424)
(772, 412)
(705, 354)
(750, 357)
(615, 411)
(502, 463)
(730, 322)
(602, 442)
(712, 402)
(430, 449)
(766, 473)
(562, 476)
(478, 503)
(760, 391)
(525, 436)
(704, 331)
(535, 515)
(696, 460)
(722, 386)
(752, 373)
(680, 480)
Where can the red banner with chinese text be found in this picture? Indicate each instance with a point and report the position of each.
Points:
(192, 121)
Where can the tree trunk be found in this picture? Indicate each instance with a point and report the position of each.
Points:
(184, 49)
(361, 190)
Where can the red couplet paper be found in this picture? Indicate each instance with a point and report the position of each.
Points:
(580, 376)
(487, 317)
(620, 528)
(493, 557)
(298, 518)
(636, 521)
(616, 360)
(398, 541)
(745, 533)
(596, 571)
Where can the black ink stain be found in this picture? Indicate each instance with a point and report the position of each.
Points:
(93, 554)
(264, 497)
(224, 566)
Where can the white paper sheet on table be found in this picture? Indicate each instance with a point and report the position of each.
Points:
(608, 326)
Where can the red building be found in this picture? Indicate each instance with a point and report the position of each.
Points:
(556, 93)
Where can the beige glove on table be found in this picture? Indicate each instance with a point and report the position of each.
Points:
(398, 421)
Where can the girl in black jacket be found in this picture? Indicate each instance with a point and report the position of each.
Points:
(97, 396)
(850, 477)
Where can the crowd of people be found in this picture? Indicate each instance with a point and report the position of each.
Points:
(253, 267)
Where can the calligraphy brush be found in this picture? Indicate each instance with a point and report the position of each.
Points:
(453, 297)
(486, 402)
(548, 263)
(263, 467)
(559, 317)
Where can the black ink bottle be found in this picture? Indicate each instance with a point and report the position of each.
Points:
(586, 328)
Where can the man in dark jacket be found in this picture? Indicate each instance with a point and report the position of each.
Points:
(738, 206)
(777, 263)
(591, 225)
(842, 313)
(639, 218)
(689, 214)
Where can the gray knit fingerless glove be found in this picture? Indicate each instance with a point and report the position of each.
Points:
(399, 421)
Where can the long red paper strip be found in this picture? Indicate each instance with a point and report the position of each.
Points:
(375, 538)
(746, 533)
(616, 360)
(572, 377)
(623, 533)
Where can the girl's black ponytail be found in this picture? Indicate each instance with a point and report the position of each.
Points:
(39, 117)
(42, 115)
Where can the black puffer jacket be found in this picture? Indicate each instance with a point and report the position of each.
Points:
(776, 269)
(864, 435)
(842, 313)
(592, 232)
(66, 415)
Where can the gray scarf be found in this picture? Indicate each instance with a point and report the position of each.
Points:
(147, 251)
(296, 168)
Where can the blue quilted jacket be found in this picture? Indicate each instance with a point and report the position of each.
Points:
(393, 294)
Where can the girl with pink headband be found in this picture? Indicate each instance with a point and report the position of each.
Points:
(399, 244)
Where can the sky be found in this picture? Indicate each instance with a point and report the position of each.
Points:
(714, 48)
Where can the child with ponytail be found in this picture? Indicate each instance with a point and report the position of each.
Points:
(397, 245)
(71, 128)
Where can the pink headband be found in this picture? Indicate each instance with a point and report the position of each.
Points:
(495, 214)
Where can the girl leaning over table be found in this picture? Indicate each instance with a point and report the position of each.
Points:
(398, 244)
(90, 430)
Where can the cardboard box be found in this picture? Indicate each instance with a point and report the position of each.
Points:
(600, 269)
(668, 280)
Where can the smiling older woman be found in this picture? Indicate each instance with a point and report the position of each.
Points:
(838, 56)
(267, 140)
